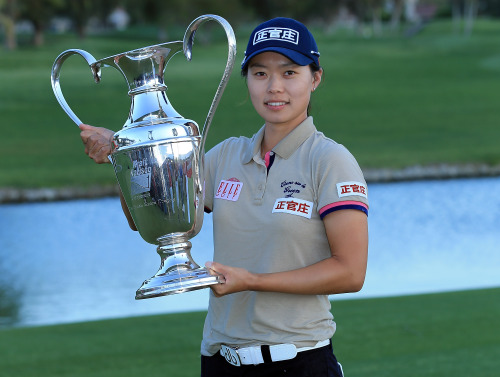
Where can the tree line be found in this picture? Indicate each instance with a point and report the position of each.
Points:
(372, 16)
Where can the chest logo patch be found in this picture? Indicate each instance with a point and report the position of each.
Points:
(229, 190)
(293, 206)
(292, 187)
(352, 189)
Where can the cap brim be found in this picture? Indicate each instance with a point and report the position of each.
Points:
(294, 56)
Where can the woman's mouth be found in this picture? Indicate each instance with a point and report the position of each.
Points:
(275, 104)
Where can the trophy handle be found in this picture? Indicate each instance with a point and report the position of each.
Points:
(54, 78)
(187, 47)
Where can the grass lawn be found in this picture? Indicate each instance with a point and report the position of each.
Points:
(435, 335)
(394, 102)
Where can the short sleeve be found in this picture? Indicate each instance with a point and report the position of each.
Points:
(210, 166)
(339, 180)
(212, 160)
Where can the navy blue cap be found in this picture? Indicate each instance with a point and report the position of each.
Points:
(285, 36)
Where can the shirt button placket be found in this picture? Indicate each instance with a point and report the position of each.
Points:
(261, 186)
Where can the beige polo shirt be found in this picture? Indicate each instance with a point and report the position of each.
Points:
(270, 221)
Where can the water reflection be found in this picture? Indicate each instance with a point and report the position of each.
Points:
(76, 261)
(9, 306)
(434, 236)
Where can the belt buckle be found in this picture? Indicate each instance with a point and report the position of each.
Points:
(231, 355)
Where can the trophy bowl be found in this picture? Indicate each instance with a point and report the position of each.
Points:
(161, 183)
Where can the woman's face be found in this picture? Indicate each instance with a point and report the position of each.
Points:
(280, 90)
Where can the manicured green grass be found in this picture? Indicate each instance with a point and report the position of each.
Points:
(436, 335)
(394, 102)
(450, 334)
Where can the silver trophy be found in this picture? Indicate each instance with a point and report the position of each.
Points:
(158, 157)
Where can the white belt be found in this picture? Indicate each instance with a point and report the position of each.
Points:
(261, 354)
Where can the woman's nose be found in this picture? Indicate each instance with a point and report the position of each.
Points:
(275, 84)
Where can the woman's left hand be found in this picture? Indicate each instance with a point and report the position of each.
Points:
(231, 279)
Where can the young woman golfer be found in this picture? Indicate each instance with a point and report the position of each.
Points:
(293, 231)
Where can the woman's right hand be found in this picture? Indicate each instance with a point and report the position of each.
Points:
(98, 142)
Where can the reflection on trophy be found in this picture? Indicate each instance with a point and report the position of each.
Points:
(158, 157)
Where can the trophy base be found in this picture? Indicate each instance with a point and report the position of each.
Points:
(176, 282)
(178, 272)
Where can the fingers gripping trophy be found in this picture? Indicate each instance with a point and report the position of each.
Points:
(158, 157)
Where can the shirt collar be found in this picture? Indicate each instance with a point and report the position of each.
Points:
(285, 148)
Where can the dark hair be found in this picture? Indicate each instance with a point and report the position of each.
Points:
(313, 66)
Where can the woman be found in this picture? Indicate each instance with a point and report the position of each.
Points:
(293, 232)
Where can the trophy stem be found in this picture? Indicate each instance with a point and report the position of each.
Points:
(178, 272)
(175, 257)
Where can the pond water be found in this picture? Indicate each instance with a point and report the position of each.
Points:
(77, 261)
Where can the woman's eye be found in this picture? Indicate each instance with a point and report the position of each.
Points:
(289, 73)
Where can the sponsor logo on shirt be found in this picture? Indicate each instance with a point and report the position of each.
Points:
(293, 206)
(292, 187)
(352, 189)
(229, 190)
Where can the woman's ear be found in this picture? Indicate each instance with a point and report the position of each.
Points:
(317, 78)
